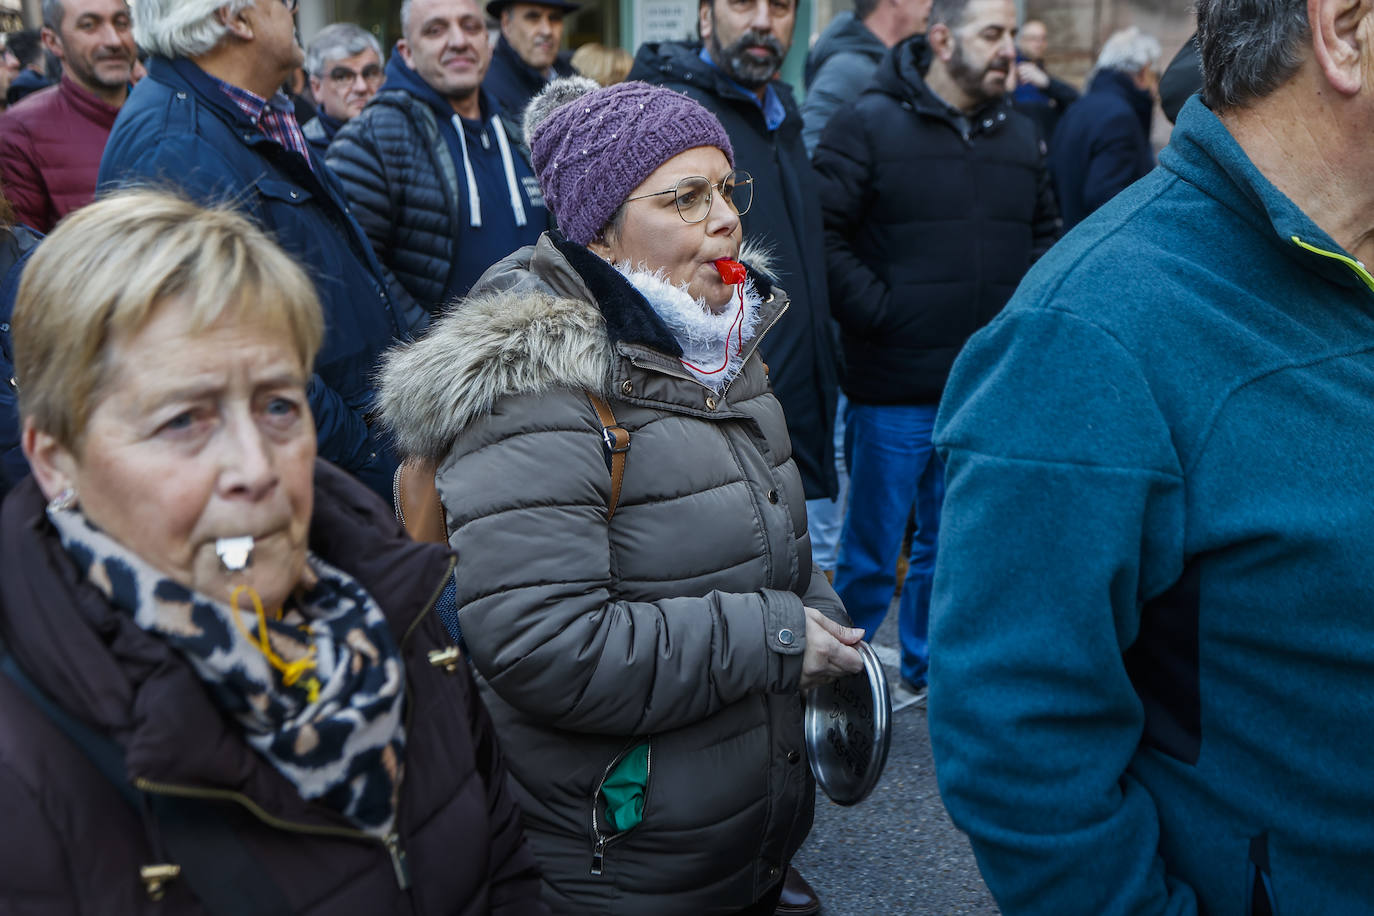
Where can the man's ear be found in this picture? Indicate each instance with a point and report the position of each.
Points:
(704, 20)
(53, 42)
(1341, 41)
(53, 465)
(238, 24)
(403, 49)
(941, 41)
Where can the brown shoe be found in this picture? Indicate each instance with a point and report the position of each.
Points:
(798, 899)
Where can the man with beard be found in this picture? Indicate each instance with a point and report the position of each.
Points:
(50, 143)
(527, 54)
(733, 75)
(432, 168)
(936, 201)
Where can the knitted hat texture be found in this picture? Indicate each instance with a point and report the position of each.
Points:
(590, 149)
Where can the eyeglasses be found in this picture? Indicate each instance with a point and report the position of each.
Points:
(291, 5)
(342, 76)
(693, 195)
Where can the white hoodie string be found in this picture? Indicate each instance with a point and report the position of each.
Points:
(517, 206)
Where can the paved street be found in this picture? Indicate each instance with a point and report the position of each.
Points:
(896, 852)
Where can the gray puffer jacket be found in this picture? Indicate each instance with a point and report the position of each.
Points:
(681, 621)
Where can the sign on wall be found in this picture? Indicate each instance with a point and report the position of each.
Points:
(665, 20)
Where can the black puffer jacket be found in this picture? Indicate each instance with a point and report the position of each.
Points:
(405, 188)
(929, 226)
(786, 220)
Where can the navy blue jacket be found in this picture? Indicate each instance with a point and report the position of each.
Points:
(179, 129)
(16, 245)
(400, 163)
(512, 82)
(1102, 144)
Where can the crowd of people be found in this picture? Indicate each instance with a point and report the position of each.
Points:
(692, 381)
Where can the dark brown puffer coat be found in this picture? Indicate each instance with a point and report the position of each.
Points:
(69, 843)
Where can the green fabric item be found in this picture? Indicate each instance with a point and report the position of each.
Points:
(624, 789)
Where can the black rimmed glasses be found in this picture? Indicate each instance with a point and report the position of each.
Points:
(343, 76)
(693, 195)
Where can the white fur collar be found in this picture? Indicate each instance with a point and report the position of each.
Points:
(713, 345)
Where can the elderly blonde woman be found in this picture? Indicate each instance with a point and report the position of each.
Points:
(223, 684)
(644, 665)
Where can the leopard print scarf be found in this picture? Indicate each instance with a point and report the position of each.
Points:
(335, 730)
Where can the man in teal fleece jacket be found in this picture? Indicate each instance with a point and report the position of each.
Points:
(1152, 663)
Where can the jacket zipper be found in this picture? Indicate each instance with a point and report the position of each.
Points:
(391, 842)
(1359, 269)
(604, 840)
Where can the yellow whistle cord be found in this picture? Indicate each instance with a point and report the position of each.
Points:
(290, 671)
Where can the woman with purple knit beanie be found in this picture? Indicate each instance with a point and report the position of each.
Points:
(634, 587)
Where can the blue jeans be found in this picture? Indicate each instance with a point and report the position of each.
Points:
(894, 475)
(824, 517)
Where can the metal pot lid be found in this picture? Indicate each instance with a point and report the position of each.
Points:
(848, 728)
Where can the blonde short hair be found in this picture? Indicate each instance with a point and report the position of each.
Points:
(103, 273)
(607, 66)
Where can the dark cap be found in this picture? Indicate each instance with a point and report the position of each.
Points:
(495, 7)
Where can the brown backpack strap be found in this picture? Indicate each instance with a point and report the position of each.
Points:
(617, 441)
(417, 501)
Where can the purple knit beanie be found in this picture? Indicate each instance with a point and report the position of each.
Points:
(591, 146)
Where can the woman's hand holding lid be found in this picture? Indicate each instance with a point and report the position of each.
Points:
(829, 650)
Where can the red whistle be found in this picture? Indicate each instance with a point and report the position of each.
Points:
(731, 271)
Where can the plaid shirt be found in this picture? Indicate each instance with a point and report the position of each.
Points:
(275, 117)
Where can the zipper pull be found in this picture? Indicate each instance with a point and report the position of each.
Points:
(398, 861)
(598, 855)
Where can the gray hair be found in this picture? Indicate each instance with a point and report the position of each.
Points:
(949, 13)
(1248, 48)
(1129, 51)
(53, 13)
(405, 16)
(182, 28)
(335, 42)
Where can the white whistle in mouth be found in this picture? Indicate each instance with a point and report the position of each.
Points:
(235, 553)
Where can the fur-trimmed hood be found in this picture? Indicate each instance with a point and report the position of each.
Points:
(547, 316)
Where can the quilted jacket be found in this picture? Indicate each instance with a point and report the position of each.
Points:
(402, 169)
(931, 219)
(50, 146)
(679, 622)
(72, 844)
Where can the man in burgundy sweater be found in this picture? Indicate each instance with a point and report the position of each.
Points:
(51, 142)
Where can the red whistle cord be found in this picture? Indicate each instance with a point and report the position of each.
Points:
(734, 274)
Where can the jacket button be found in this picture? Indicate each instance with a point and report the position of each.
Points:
(786, 637)
(627, 387)
(773, 496)
(710, 403)
(181, 96)
(793, 756)
(774, 871)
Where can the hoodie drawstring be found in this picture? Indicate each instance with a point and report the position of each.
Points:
(517, 206)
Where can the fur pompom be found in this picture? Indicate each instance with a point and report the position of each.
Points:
(555, 94)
